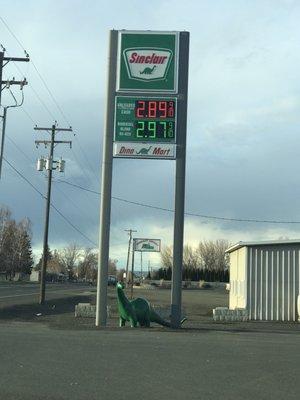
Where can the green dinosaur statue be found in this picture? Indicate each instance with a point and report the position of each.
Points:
(138, 311)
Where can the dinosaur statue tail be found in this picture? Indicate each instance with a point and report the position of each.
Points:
(154, 317)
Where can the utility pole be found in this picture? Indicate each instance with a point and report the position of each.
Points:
(48, 164)
(130, 231)
(4, 116)
(4, 61)
(6, 84)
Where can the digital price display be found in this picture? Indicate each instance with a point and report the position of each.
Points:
(154, 119)
(145, 119)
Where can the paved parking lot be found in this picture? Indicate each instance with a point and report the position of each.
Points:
(56, 357)
(42, 363)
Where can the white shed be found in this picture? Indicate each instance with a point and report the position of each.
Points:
(264, 279)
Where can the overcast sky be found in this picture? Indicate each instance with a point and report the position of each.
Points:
(243, 135)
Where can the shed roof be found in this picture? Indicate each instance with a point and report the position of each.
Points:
(261, 243)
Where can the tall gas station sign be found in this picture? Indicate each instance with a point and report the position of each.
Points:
(146, 114)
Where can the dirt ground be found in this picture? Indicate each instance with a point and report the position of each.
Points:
(197, 305)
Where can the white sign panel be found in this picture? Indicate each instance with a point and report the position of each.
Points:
(146, 64)
(149, 245)
(145, 150)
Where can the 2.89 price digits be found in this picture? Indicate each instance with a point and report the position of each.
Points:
(154, 109)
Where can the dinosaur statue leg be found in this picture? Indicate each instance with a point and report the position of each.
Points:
(147, 322)
(133, 322)
(122, 322)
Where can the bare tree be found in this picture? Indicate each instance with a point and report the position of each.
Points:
(190, 257)
(69, 256)
(54, 264)
(112, 267)
(212, 255)
(167, 257)
(87, 267)
(222, 259)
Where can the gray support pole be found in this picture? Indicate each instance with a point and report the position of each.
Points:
(128, 256)
(46, 229)
(2, 138)
(180, 181)
(1, 68)
(141, 266)
(106, 183)
(132, 272)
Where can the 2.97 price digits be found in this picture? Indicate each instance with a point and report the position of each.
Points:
(154, 129)
(154, 109)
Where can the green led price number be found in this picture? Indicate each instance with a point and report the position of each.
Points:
(155, 129)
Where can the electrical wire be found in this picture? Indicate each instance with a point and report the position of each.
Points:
(53, 99)
(32, 162)
(186, 213)
(20, 150)
(51, 204)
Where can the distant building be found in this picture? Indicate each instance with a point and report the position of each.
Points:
(264, 279)
(35, 276)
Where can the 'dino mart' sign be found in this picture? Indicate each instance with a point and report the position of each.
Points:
(147, 61)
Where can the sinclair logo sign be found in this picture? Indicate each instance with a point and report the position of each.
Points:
(147, 62)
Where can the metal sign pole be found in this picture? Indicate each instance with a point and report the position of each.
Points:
(180, 182)
(132, 272)
(141, 266)
(106, 183)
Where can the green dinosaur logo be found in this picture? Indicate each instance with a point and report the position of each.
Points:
(147, 246)
(144, 151)
(148, 70)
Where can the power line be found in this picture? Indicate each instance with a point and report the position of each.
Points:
(52, 205)
(20, 150)
(32, 161)
(38, 72)
(86, 158)
(186, 213)
(11, 32)
(55, 102)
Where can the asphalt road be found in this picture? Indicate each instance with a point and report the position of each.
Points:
(57, 357)
(25, 293)
(42, 363)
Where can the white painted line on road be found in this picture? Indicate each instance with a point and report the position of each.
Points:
(34, 294)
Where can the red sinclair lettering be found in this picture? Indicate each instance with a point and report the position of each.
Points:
(158, 151)
(153, 59)
(124, 150)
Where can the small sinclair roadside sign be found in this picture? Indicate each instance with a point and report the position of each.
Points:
(147, 61)
(146, 245)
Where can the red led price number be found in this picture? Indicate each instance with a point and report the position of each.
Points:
(154, 109)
